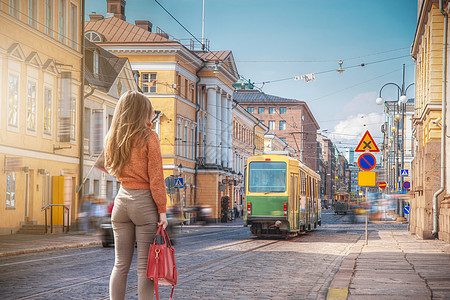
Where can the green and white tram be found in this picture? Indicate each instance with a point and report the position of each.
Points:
(282, 196)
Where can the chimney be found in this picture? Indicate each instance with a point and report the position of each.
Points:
(95, 17)
(144, 24)
(116, 7)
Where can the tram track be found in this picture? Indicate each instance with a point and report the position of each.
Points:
(223, 262)
(134, 268)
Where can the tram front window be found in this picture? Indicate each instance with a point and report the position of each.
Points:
(267, 177)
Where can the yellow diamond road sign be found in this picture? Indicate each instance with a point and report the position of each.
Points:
(367, 144)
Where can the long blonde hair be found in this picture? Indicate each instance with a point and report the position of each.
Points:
(128, 127)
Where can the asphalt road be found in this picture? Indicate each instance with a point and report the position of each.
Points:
(213, 262)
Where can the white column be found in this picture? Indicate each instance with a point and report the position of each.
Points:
(211, 125)
(218, 127)
(224, 129)
(229, 132)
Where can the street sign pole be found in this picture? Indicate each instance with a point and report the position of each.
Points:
(367, 219)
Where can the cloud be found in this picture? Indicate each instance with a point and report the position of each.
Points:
(349, 132)
(362, 103)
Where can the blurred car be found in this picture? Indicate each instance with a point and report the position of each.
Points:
(107, 233)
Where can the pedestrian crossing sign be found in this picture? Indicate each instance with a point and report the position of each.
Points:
(367, 144)
(179, 183)
(404, 173)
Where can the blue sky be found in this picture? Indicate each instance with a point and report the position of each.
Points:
(291, 32)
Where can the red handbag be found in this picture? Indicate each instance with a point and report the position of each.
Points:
(161, 267)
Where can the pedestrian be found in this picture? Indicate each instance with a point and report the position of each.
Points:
(84, 214)
(133, 155)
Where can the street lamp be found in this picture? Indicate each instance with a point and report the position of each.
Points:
(399, 108)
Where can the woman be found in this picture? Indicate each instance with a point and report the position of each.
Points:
(133, 155)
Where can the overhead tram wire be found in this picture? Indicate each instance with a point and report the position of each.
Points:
(320, 61)
(334, 70)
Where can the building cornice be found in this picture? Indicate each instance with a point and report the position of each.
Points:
(152, 49)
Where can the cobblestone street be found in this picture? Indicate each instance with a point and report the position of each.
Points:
(213, 264)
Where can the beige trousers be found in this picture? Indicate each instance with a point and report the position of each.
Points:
(134, 217)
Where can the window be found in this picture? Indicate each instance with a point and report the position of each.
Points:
(87, 129)
(186, 140)
(95, 63)
(271, 125)
(47, 111)
(49, 17)
(10, 190)
(13, 101)
(32, 13)
(262, 121)
(282, 125)
(186, 88)
(260, 110)
(282, 110)
(192, 142)
(92, 36)
(271, 110)
(62, 21)
(73, 118)
(267, 177)
(31, 106)
(283, 139)
(14, 9)
(149, 82)
(110, 117)
(250, 109)
(96, 186)
(73, 26)
(178, 138)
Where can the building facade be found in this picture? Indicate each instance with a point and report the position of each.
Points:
(40, 87)
(107, 77)
(328, 174)
(290, 119)
(193, 91)
(428, 51)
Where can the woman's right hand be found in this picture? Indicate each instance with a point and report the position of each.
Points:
(163, 220)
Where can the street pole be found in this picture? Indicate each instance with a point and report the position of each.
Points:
(367, 218)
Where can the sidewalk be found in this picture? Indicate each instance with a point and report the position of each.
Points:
(16, 244)
(394, 265)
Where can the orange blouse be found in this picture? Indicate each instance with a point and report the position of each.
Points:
(145, 171)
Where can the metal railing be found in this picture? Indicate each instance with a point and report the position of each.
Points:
(50, 206)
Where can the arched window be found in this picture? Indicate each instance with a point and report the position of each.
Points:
(93, 36)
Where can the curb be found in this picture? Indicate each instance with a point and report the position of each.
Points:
(27, 251)
(338, 289)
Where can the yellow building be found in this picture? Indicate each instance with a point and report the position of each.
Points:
(428, 53)
(40, 87)
(193, 91)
